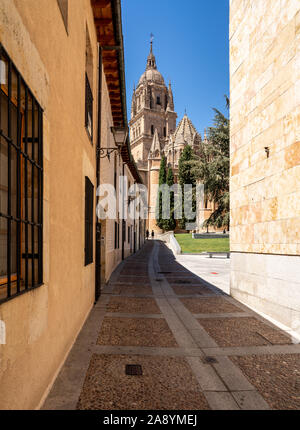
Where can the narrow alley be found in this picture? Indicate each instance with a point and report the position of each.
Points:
(160, 337)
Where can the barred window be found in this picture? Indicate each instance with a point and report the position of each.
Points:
(88, 85)
(118, 240)
(117, 235)
(123, 232)
(88, 108)
(21, 184)
(115, 172)
(89, 209)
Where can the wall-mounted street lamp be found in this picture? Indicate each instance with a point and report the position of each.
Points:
(120, 136)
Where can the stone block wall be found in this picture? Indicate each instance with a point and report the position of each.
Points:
(265, 154)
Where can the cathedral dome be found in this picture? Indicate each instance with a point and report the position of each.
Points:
(152, 75)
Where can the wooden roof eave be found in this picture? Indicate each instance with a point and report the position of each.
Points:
(108, 22)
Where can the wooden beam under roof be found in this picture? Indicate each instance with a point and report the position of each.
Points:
(108, 24)
(110, 69)
(100, 3)
(103, 22)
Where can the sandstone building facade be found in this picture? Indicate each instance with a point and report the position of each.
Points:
(265, 156)
(62, 90)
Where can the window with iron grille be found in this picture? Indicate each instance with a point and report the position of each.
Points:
(88, 108)
(89, 216)
(118, 240)
(116, 234)
(21, 184)
(123, 232)
(115, 172)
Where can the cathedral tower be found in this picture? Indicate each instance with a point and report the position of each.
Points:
(152, 115)
(153, 132)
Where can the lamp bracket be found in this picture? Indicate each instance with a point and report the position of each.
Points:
(105, 152)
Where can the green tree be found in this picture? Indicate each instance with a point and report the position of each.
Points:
(212, 168)
(170, 224)
(186, 176)
(162, 180)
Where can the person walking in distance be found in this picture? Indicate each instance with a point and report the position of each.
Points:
(152, 234)
(147, 234)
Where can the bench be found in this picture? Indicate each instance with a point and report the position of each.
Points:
(218, 253)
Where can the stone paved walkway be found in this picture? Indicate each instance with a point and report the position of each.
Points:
(197, 347)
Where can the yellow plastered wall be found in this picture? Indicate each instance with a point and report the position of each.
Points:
(111, 257)
(42, 324)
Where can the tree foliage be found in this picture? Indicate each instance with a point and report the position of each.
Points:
(212, 168)
(187, 176)
(170, 224)
(162, 180)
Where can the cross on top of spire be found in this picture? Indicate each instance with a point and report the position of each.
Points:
(151, 40)
(151, 62)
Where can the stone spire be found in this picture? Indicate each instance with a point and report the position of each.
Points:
(151, 62)
(170, 106)
(155, 150)
(185, 131)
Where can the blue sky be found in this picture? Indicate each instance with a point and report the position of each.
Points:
(191, 48)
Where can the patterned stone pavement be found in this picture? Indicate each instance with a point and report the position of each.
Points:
(197, 347)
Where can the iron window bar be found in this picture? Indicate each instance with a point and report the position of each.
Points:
(21, 138)
(89, 222)
(88, 108)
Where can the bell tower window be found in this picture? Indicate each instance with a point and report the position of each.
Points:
(158, 100)
(152, 130)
